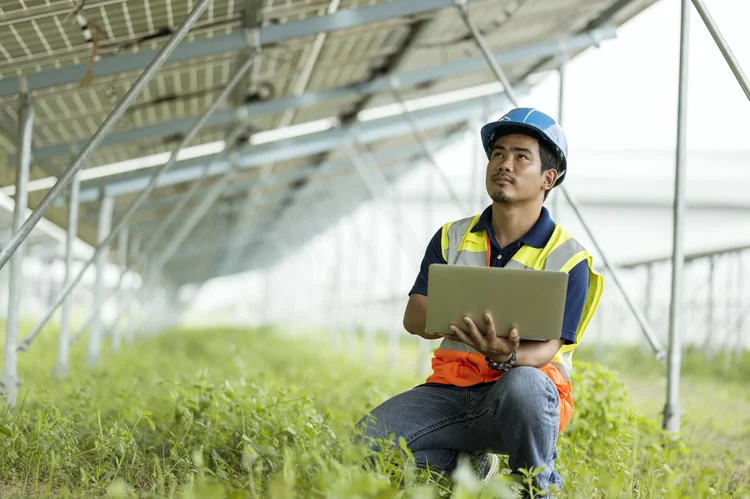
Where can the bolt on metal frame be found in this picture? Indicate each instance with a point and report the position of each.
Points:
(500, 75)
(9, 379)
(122, 223)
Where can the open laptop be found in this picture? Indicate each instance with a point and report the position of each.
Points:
(533, 301)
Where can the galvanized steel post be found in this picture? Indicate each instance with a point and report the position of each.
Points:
(103, 229)
(556, 201)
(122, 260)
(9, 380)
(119, 110)
(645, 327)
(63, 344)
(713, 28)
(672, 407)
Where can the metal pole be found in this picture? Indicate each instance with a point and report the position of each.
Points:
(740, 347)
(425, 145)
(394, 333)
(708, 338)
(713, 28)
(194, 218)
(647, 331)
(556, 204)
(138, 200)
(9, 380)
(122, 258)
(672, 407)
(229, 146)
(63, 347)
(478, 167)
(463, 9)
(103, 130)
(134, 253)
(377, 186)
(103, 230)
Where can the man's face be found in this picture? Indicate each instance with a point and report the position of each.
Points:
(514, 172)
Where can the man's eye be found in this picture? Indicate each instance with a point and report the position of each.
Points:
(523, 156)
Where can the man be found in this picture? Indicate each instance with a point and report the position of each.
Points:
(489, 394)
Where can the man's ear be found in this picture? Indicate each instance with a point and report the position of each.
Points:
(549, 177)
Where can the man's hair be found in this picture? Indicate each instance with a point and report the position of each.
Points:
(547, 152)
(550, 159)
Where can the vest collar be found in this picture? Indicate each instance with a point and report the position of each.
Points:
(537, 237)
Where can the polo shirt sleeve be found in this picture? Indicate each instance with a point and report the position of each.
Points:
(433, 254)
(578, 286)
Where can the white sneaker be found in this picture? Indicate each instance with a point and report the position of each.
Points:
(486, 466)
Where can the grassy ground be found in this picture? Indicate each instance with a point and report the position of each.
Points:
(256, 414)
(714, 400)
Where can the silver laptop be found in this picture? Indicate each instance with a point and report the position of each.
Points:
(531, 300)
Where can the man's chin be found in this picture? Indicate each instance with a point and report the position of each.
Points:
(501, 198)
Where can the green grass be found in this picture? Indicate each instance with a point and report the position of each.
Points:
(258, 414)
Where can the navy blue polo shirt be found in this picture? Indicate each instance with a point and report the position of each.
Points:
(537, 237)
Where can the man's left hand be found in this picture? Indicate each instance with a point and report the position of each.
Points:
(498, 349)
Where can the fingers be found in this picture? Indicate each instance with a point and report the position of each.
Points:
(490, 327)
(475, 334)
(461, 336)
(514, 339)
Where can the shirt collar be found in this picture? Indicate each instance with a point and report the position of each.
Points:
(537, 236)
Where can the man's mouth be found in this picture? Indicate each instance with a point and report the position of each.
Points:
(501, 179)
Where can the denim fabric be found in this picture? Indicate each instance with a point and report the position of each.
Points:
(516, 416)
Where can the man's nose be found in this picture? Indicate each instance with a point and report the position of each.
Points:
(504, 164)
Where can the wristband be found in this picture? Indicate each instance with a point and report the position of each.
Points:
(502, 366)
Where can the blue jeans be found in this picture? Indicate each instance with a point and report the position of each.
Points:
(516, 416)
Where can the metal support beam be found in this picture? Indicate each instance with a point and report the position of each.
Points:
(672, 407)
(229, 145)
(425, 144)
(122, 223)
(62, 367)
(271, 34)
(646, 328)
(713, 28)
(102, 238)
(122, 260)
(373, 178)
(556, 204)
(305, 146)
(9, 379)
(96, 139)
(194, 218)
(407, 79)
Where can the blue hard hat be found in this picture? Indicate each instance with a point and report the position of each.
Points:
(532, 122)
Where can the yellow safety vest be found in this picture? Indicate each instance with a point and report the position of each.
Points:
(457, 363)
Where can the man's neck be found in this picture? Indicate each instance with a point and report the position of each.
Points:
(511, 222)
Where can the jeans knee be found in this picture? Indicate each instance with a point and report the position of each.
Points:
(528, 386)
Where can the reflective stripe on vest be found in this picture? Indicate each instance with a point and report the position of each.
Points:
(562, 252)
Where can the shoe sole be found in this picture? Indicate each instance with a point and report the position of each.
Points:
(494, 468)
